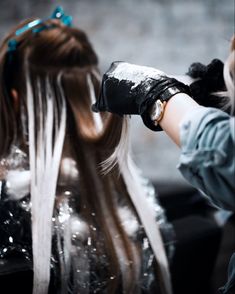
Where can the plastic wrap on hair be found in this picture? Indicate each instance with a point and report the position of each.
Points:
(148, 281)
(15, 217)
(80, 261)
(165, 226)
(77, 266)
(16, 160)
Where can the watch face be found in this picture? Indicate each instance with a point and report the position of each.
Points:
(156, 111)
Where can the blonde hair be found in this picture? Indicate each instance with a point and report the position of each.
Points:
(229, 75)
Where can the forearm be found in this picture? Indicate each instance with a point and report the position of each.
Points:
(176, 108)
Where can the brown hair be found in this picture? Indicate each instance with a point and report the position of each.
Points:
(67, 51)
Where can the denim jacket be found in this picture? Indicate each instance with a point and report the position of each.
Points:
(207, 161)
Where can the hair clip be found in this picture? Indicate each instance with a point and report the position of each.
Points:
(67, 20)
(57, 14)
(12, 44)
(28, 26)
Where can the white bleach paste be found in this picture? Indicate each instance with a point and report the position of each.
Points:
(134, 73)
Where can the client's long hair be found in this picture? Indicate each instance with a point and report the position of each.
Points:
(55, 75)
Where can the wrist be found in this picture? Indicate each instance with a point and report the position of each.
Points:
(176, 109)
(158, 99)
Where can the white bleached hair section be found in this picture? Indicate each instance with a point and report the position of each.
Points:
(45, 151)
(121, 152)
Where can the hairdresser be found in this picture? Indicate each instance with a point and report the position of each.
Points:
(198, 117)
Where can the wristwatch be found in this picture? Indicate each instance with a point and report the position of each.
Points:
(156, 111)
(154, 106)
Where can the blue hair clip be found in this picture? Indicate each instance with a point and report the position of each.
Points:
(12, 45)
(57, 14)
(28, 26)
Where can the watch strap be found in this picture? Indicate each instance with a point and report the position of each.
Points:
(163, 91)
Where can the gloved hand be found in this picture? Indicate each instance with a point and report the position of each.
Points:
(132, 89)
(208, 81)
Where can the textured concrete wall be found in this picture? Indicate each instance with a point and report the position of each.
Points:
(166, 34)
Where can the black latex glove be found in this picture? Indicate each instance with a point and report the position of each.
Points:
(209, 80)
(132, 89)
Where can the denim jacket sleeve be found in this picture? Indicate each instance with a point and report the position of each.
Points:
(207, 154)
